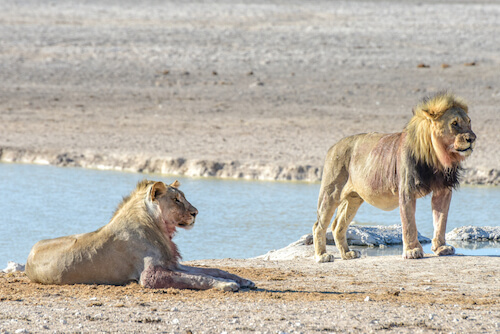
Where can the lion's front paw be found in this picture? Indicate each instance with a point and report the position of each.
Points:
(227, 286)
(354, 254)
(415, 253)
(444, 250)
(325, 257)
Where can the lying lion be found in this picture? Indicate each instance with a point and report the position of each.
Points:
(391, 170)
(136, 245)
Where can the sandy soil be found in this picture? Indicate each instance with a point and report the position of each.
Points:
(373, 294)
(257, 89)
(254, 89)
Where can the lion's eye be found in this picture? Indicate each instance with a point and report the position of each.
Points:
(454, 123)
(176, 200)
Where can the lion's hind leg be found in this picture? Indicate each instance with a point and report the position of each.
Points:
(345, 214)
(326, 208)
(158, 277)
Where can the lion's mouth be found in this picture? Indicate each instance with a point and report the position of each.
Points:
(464, 152)
(186, 226)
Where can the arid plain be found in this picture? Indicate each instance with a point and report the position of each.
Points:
(250, 89)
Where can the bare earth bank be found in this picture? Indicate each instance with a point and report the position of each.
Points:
(255, 90)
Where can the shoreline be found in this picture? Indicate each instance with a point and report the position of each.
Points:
(198, 167)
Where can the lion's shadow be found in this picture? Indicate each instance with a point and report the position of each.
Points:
(290, 291)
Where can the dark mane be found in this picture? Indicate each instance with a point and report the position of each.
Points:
(423, 179)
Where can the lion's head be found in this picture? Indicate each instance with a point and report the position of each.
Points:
(170, 206)
(439, 132)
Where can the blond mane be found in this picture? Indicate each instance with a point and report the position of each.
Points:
(136, 195)
(133, 209)
(419, 129)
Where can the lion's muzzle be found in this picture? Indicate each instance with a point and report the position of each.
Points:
(190, 219)
(465, 143)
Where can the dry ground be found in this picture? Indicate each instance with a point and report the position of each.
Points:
(448, 294)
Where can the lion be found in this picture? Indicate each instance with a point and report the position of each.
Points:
(135, 246)
(391, 170)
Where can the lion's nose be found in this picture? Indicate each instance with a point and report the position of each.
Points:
(471, 137)
(194, 213)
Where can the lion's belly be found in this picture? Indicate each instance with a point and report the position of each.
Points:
(384, 198)
(386, 202)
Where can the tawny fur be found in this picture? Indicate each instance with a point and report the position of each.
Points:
(136, 245)
(391, 170)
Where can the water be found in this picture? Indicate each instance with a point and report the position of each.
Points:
(237, 219)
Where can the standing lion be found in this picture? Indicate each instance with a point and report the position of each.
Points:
(136, 245)
(391, 170)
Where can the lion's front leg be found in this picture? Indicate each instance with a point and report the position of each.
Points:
(217, 273)
(412, 249)
(440, 206)
(158, 277)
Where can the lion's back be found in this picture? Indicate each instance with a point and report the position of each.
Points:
(85, 258)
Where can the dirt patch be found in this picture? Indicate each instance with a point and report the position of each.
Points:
(382, 293)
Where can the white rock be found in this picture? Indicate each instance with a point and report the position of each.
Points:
(474, 233)
(356, 235)
(13, 267)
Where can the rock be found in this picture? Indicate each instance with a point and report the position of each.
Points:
(370, 236)
(356, 235)
(13, 267)
(377, 235)
(474, 233)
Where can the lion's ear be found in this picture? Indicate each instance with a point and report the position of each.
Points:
(176, 184)
(427, 114)
(157, 190)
